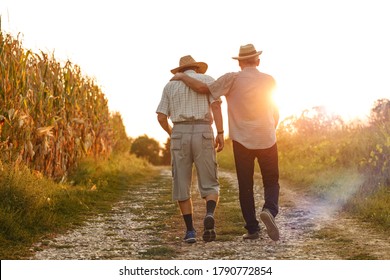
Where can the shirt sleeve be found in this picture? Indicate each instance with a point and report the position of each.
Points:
(209, 80)
(222, 85)
(163, 106)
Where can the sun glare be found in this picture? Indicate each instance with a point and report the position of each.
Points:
(293, 99)
(345, 108)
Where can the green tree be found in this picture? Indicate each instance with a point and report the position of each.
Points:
(121, 142)
(166, 153)
(148, 148)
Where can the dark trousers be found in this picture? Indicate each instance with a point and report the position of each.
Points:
(245, 163)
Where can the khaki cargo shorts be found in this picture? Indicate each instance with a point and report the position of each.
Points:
(193, 144)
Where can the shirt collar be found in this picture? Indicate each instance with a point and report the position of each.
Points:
(249, 68)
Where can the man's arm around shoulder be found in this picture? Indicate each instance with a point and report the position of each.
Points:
(192, 83)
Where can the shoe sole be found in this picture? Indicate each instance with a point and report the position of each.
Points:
(209, 235)
(208, 222)
(190, 240)
(209, 231)
(272, 229)
(250, 236)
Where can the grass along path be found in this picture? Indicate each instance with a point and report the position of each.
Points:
(146, 224)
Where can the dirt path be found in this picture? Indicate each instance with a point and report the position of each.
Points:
(310, 229)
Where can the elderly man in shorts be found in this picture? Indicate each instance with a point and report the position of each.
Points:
(192, 143)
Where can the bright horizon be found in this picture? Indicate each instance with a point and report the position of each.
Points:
(321, 53)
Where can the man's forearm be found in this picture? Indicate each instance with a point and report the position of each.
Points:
(163, 121)
(217, 114)
(192, 83)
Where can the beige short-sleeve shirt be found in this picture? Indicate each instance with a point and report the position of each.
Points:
(250, 107)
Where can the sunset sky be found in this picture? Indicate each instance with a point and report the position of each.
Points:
(331, 53)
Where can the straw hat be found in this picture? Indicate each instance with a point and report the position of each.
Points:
(247, 51)
(188, 61)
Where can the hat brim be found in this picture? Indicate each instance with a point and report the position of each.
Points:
(202, 67)
(248, 56)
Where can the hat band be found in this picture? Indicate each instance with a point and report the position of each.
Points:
(246, 54)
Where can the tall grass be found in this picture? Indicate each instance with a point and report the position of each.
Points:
(347, 165)
(32, 205)
(225, 158)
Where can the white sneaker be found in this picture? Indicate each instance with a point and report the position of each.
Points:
(269, 221)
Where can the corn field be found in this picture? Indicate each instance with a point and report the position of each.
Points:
(50, 115)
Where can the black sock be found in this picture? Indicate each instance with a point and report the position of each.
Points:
(188, 220)
(210, 206)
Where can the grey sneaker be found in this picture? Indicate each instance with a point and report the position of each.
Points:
(251, 236)
(209, 230)
(268, 219)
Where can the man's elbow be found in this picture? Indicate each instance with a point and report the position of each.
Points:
(161, 118)
(203, 89)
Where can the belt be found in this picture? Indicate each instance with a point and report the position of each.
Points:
(194, 122)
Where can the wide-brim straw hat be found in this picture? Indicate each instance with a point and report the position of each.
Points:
(247, 51)
(188, 61)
